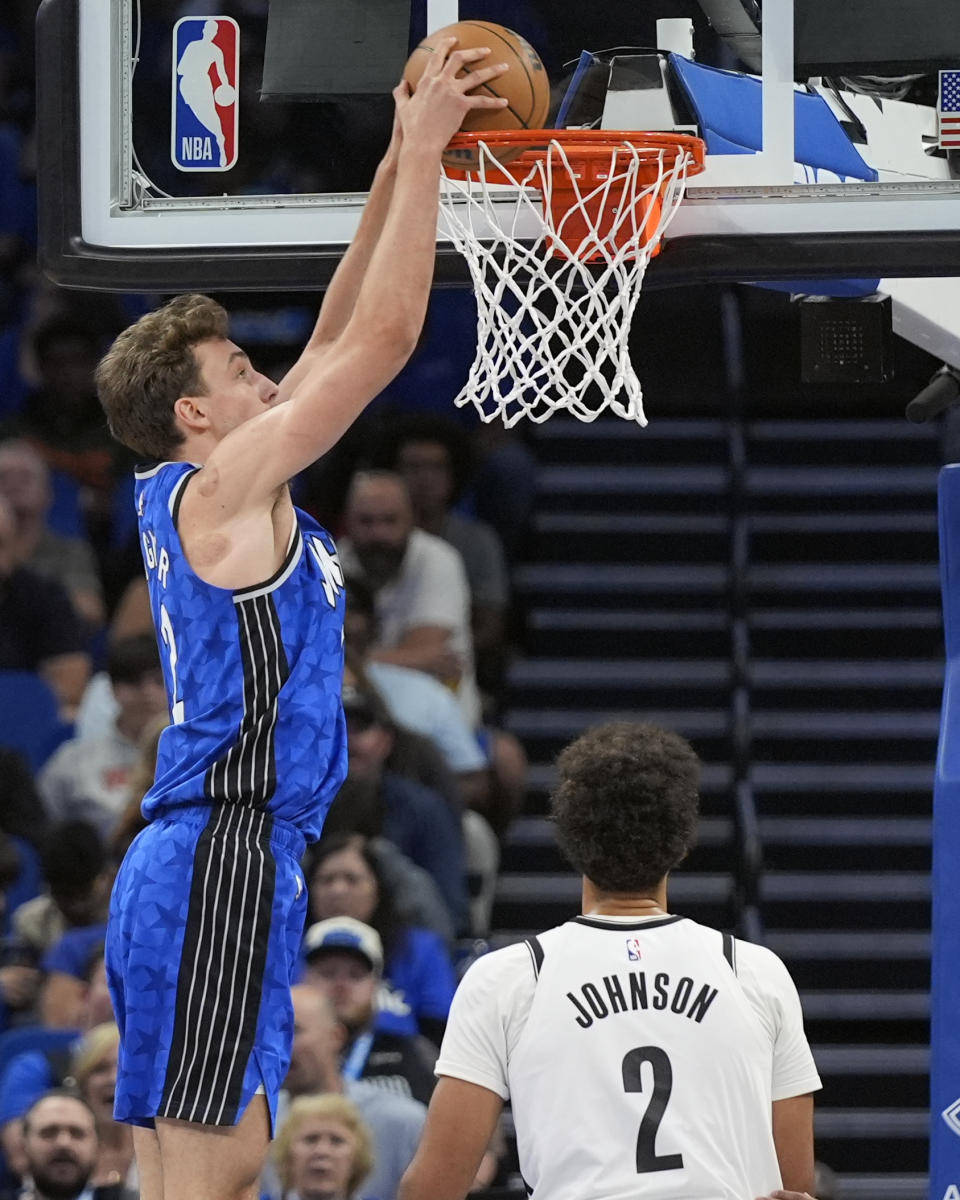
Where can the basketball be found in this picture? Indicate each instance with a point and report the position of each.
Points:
(524, 83)
(224, 94)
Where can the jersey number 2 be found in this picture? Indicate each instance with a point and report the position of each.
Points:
(166, 632)
(633, 1060)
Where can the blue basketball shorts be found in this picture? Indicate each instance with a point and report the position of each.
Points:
(203, 941)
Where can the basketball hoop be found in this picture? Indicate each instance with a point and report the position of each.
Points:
(557, 227)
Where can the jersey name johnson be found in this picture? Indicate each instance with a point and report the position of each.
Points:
(631, 993)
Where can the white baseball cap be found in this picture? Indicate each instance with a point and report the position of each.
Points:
(345, 933)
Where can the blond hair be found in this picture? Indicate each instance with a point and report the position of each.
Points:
(93, 1048)
(150, 366)
(331, 1108)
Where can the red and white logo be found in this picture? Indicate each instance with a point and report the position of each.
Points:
(633, 949)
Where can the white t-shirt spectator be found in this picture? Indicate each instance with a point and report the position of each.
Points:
(88, 780)
(421, 703)
(429, 589)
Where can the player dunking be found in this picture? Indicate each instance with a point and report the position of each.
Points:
(247, 597)
(643, 1054)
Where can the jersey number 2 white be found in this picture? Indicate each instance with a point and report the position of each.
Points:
(166, 632)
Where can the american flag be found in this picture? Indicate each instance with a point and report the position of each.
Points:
(948, 109)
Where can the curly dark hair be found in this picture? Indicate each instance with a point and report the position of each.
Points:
(626, 805)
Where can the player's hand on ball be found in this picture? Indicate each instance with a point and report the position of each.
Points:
(434, 113)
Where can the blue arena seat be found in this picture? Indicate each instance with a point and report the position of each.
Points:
(32, 1037)
(29, 718)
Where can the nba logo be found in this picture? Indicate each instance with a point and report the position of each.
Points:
(206, 62)
(633, 949)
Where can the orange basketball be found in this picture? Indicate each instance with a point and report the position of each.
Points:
(524, 83)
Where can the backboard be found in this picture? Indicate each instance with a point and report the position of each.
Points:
(829, 134)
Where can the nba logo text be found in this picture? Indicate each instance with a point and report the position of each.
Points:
(206, 63)
(633, 949)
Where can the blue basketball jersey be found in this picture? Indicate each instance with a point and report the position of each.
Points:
(253, 676)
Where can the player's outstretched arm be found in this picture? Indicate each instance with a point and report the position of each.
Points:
(460, 1123)
(252, 461)
(341, 295)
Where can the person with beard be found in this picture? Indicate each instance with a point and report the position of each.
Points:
(33, 1073)
(60, 1140)
(344, 961)
(420, 584)
(433, 456)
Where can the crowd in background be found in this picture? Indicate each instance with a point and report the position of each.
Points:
(401, 884)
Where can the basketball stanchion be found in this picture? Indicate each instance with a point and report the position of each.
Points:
(554, 309)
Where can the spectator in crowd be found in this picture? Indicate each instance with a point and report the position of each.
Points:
(394, 1121)
(62, 418)
(420, 585)
(504, 484)
(344, 961)
(418, 702)
(414, 755)
(416, 819)
(22, 815)
(39, 629)
(89, 779)
(19, 980)
(78, 878)
(17, 231)
(132, 821)
(356, 812)
(492, 777)
(31, 1073)
(69, 921)
(323, 1150)
(417, 983)
(431, 454)
(415, 699)
(25, 482)
(94, 1070)
(60, 1147)
(132, 614)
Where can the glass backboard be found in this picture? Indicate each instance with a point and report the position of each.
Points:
(831, 134)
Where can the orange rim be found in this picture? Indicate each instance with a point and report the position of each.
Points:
(584, 146)
(589, 154)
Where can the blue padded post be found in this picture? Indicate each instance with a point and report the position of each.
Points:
(945, 975)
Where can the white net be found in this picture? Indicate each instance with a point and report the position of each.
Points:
(554, 310)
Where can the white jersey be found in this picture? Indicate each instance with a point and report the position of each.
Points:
(642, 1057)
